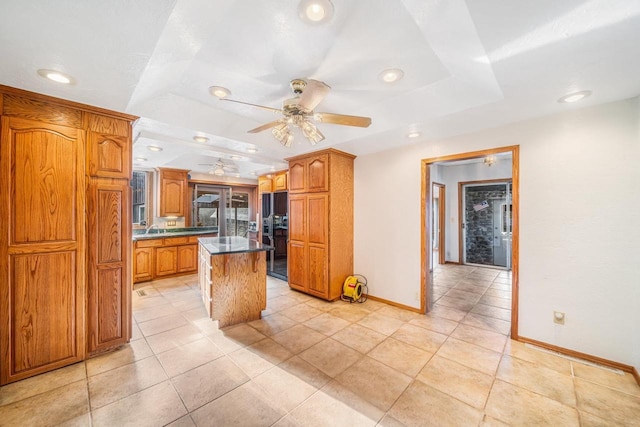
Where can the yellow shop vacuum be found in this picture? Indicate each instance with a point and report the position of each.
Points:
(355, 289)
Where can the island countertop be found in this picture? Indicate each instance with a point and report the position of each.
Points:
(232, 244)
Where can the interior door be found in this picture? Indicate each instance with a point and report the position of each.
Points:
(487, 224)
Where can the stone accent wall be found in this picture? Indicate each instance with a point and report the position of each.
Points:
(479, 224)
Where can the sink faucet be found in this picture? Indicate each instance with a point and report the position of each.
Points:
(150, 227)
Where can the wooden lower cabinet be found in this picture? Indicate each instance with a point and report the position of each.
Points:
(142, 264)
(166, 261)
(165, 257)
(187, 258)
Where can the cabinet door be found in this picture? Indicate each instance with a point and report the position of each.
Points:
(297, 181)
(166, 261)
(172, 192)
(318, 283)
(317, 173)
(280, 181)
(42, 258)
(297, 218)
(317, 219)
(265, 185)
(109, 287)
(317, 239)
(297, 261)
(297, 266)
(110, 155)
(142, 264)
(187, 258)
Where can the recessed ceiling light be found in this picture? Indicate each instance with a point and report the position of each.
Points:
(154, 148)
(252, 150)
(252, 173)
(315, 11)
(219, 91)
(237, 175)
(140, 159)
(234, 157)
(391, 75)
(200, 138)
(56, 76)
(575, 96)
(413, 134)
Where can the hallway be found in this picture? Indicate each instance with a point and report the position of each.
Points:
(313, 363)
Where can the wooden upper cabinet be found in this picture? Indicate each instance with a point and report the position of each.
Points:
(297, 171)
(172, 191)
(265, 184)
(317, 176)
(309, 174)
(280, 181)
(109, 155)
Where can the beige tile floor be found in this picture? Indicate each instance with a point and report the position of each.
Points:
(312, 363)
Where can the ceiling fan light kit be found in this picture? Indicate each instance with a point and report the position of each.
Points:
(299, 112)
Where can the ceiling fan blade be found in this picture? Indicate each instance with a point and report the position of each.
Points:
(275, 110)
(265, 126)
(313, 93)
(342, 119)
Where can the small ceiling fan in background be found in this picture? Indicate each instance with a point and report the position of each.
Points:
(299, 112)
(220, 167)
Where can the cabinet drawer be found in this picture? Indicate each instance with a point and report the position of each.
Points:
(148, 243)
(170, 241)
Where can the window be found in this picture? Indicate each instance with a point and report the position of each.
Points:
(139, 196)
(217, 206)
(238, 217)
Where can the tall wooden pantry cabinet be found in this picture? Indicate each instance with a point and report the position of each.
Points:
(320, 222)
(65, 232)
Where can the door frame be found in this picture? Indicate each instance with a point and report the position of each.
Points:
(441, 220)
(425, 212)
(461, 185)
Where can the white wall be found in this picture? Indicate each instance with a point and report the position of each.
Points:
(579, 224)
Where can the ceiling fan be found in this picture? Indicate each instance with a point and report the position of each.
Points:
(298, 112)
(220, 167)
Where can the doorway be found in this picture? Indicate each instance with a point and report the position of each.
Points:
(510, 211)
(438, 224)
(485, 223)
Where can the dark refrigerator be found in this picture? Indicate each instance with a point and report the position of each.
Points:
(275, 231)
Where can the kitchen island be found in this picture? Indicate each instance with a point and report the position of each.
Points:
(232, 273)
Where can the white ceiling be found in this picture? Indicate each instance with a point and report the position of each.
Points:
(467, 66)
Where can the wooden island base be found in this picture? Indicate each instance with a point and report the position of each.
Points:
(233, 285)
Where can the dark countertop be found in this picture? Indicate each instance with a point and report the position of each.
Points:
(232, 244)
(155, 234)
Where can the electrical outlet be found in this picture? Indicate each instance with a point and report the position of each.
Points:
(558, 317)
